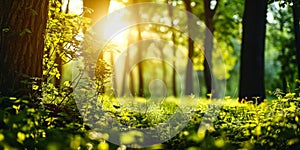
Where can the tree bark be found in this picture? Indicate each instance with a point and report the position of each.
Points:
(252, 85)
(208, 45)
(23, 23)
(296, 17)
(139, 53)
(131, 82)
(113, 78)
(189, 72)
(140, 64)
(174, 87)
(163, 64)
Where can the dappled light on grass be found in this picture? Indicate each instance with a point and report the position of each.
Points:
(272, 124)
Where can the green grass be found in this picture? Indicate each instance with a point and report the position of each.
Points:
(274, 124)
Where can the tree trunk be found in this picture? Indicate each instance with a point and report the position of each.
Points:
(139, 53)
(113, 78)
(174, 87)
(163, 63)
(252, 85)
(58, 59)
(126, 66)
(23, 23)
(189, 71)
(131, 82)
(296, 16)
(140, 64)
(127, 72)
(208, 45)
(283, 70)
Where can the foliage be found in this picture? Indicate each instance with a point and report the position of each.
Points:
(62, 41)
(280, 46)
(271, 125)
(28, 125)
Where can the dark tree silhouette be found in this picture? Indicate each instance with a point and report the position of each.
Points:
(296, 16)
(252, 85)
(23, 23)
(209, 14)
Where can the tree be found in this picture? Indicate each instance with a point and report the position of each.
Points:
(23, 23)
(189, 71)
(281, 38)
(296, 16)
(139, 52)
(127, 70)
(140, 64)
(252, 52)
(209, 13)
(170, 10)
(58, 59)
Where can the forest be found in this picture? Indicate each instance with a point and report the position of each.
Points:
(149, 74)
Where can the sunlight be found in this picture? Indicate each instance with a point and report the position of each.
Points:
(76, 7)
(114, 24)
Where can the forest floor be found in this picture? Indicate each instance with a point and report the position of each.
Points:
(173, 123)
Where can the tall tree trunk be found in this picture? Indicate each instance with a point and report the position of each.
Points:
(296, 16)
(58, 59)
(140, 64)
(127, 71)
(67, 7)
(189, 71)
(126, 67)
(208, 45)
(283, 70)
(163, 63)
(174, 87)
(252, 85)
(114, 79)
(131, 82)
(139, 53)
(22, 26)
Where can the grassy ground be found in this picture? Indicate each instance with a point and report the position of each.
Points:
(198, 124)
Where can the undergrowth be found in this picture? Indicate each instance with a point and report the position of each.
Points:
(274, 124)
